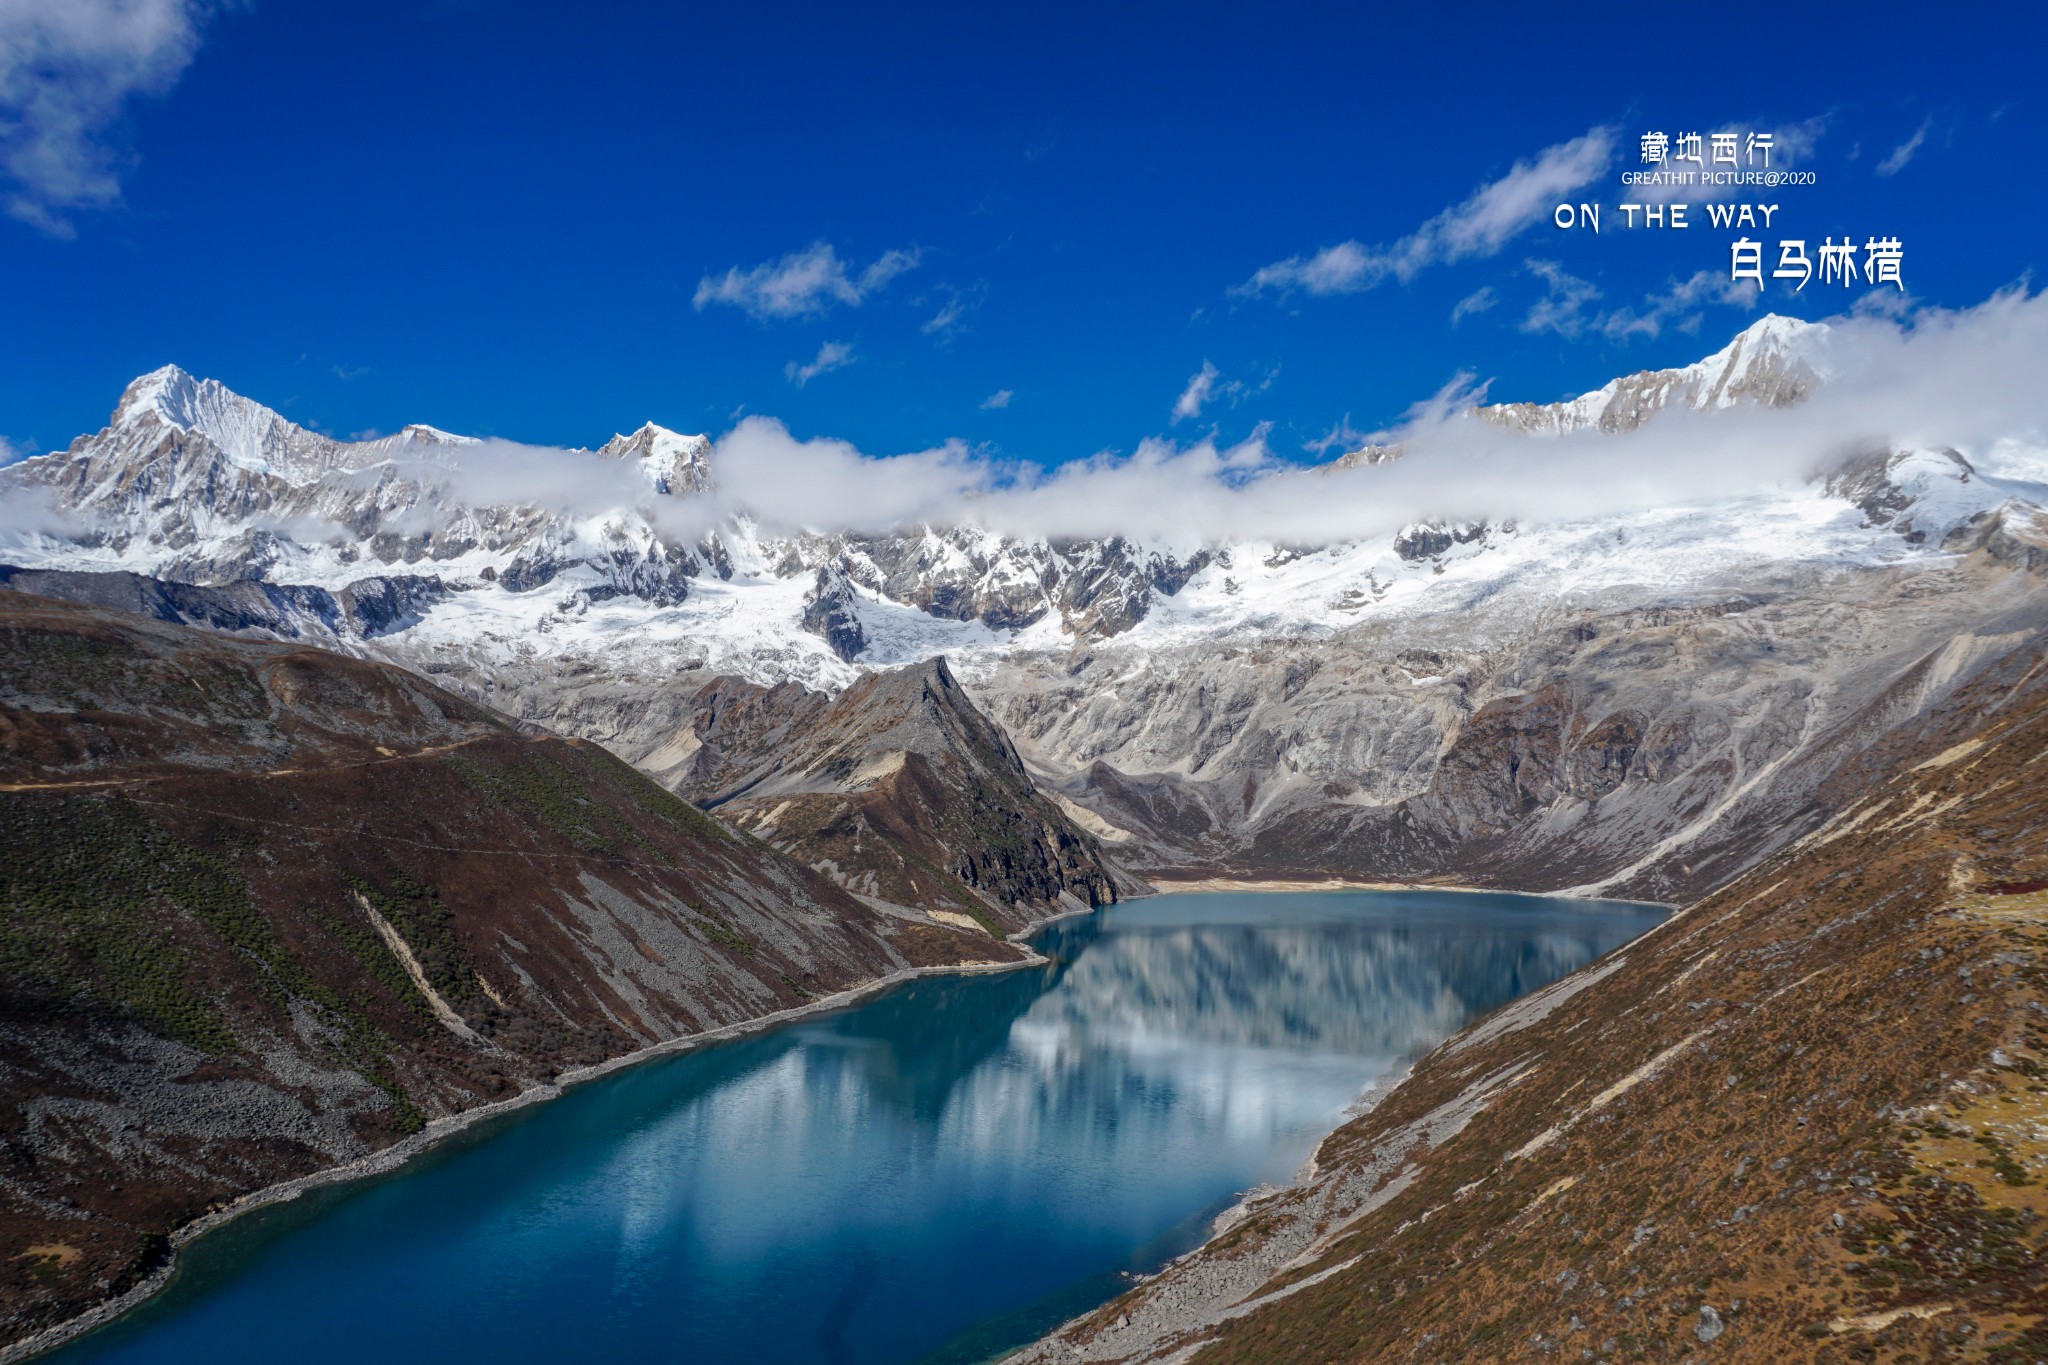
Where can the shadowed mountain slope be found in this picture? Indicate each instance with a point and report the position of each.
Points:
(899, 788)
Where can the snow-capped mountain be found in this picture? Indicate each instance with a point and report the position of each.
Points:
(1241, 702)
(192, 483)
(1776, 362)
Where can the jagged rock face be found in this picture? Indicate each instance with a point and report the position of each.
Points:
(1428, 539)
(1652, 749)
(674, 463)
(900, 789)
(265, 908)
(1094, 589)
(366, 609)
(832, 612)
(1367, 455)
(1807, 1109)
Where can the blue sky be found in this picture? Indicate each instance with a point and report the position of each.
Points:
(551, 222)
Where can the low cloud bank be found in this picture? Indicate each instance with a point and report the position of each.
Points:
(1965, 378)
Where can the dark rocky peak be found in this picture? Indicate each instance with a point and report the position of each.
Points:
(903, 791)
(832, 612)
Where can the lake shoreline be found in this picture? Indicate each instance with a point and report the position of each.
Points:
(1168, 885)
(387, 1160)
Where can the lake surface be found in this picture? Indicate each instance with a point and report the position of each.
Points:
(935, 1176)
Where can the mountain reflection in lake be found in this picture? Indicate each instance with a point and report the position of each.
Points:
(933, 1176)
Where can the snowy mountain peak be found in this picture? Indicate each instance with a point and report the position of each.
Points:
(672, 461)
(1769, 350)
(169, 393)
(422, 433)
(1774, 362)
(1778, 329)
(247, 434)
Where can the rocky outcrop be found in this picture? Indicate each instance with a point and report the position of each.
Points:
(1649, 748)
(832, 612)
(364, 610)
(1428, 539)
(899, 789)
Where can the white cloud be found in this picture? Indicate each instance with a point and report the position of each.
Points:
(1208, 385)
(997, 401)
(29, 511)
(1345, 268)
(947, 318)
(833, 355)
(1901, 154)
(804, 283)
(953, 312)
(1967, 379)
(1679, 307)
(1198, 392)
(1480, 226)
(1341, 437)
(1565, 306)
(66, 69)
(1478, 301)
(1562, 309)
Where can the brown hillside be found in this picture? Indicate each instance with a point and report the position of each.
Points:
(264, 910)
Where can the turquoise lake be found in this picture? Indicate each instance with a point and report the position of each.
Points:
(937, 1175)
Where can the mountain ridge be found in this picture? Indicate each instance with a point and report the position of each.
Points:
(1243, 707)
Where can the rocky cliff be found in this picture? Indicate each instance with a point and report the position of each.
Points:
(899, 789)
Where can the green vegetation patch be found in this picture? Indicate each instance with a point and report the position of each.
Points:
(659, 802)
(91, 898)
(724, 935)
(99, 907)
(564, 800)
(415, 910)
(121, 675)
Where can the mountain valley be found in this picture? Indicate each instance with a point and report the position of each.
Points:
(357, 785)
